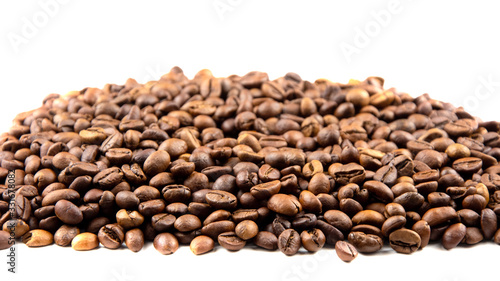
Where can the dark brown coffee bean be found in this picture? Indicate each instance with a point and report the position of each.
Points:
(266, 240)
(111, 236)
(65, 234)
(108, 178)
(404, 241)
(331, 233)
(453, 235)
(439, 215)
(467, 165)
(349, 173)
(289, 242)
(313, 240)
(219, 199)
(187, 223)
(163, 222)
(68, 212)
(393, 223)
(488, 223)
(266, 190)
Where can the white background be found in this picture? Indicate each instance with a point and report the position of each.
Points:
(449, 49)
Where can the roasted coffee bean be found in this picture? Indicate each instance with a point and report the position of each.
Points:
(4, 240)
(65, 234)
(255, 160)
(289, 242)
(453, 235)
(38, 238)
(266, 240)
(134, 239)
(156, 163)
(85, 241)
(313, 240)
(284, 204)
(404, 241)
(266, 190)
(231, 241)
(68, 212)
(166, 243)
(187, 223)
(365, 243)
(345, 251)
(246, 229)
(331, 233)
(16, 226)
(201, 244)
(111, 236)
(219, 199)
(215, 228)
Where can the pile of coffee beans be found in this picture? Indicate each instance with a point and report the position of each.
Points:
(243, 160)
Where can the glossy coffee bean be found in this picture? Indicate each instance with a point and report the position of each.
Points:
(201, 244)
(345, 251)
(289, 242)
(85, 241)
(404, 241)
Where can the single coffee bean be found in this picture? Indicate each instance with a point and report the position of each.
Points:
(16, 226)
(289, 242)
(219, 199)
(467, 165)
(246, 229)
(473, 236)
(68, 212)
(453, 235)
(134, 239)
(156, 163)
(201, 245)
(313, 240)
(4, 240)
(404, 241)
(166, 243)
(65, 234)
(365, 243)
(111, 236)
(284, 204)
(423, 229)
(439, 215)
(345, 251)
(38, 238)
(231, 241)
(187, 223)
(85, 241)
(266, 240)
